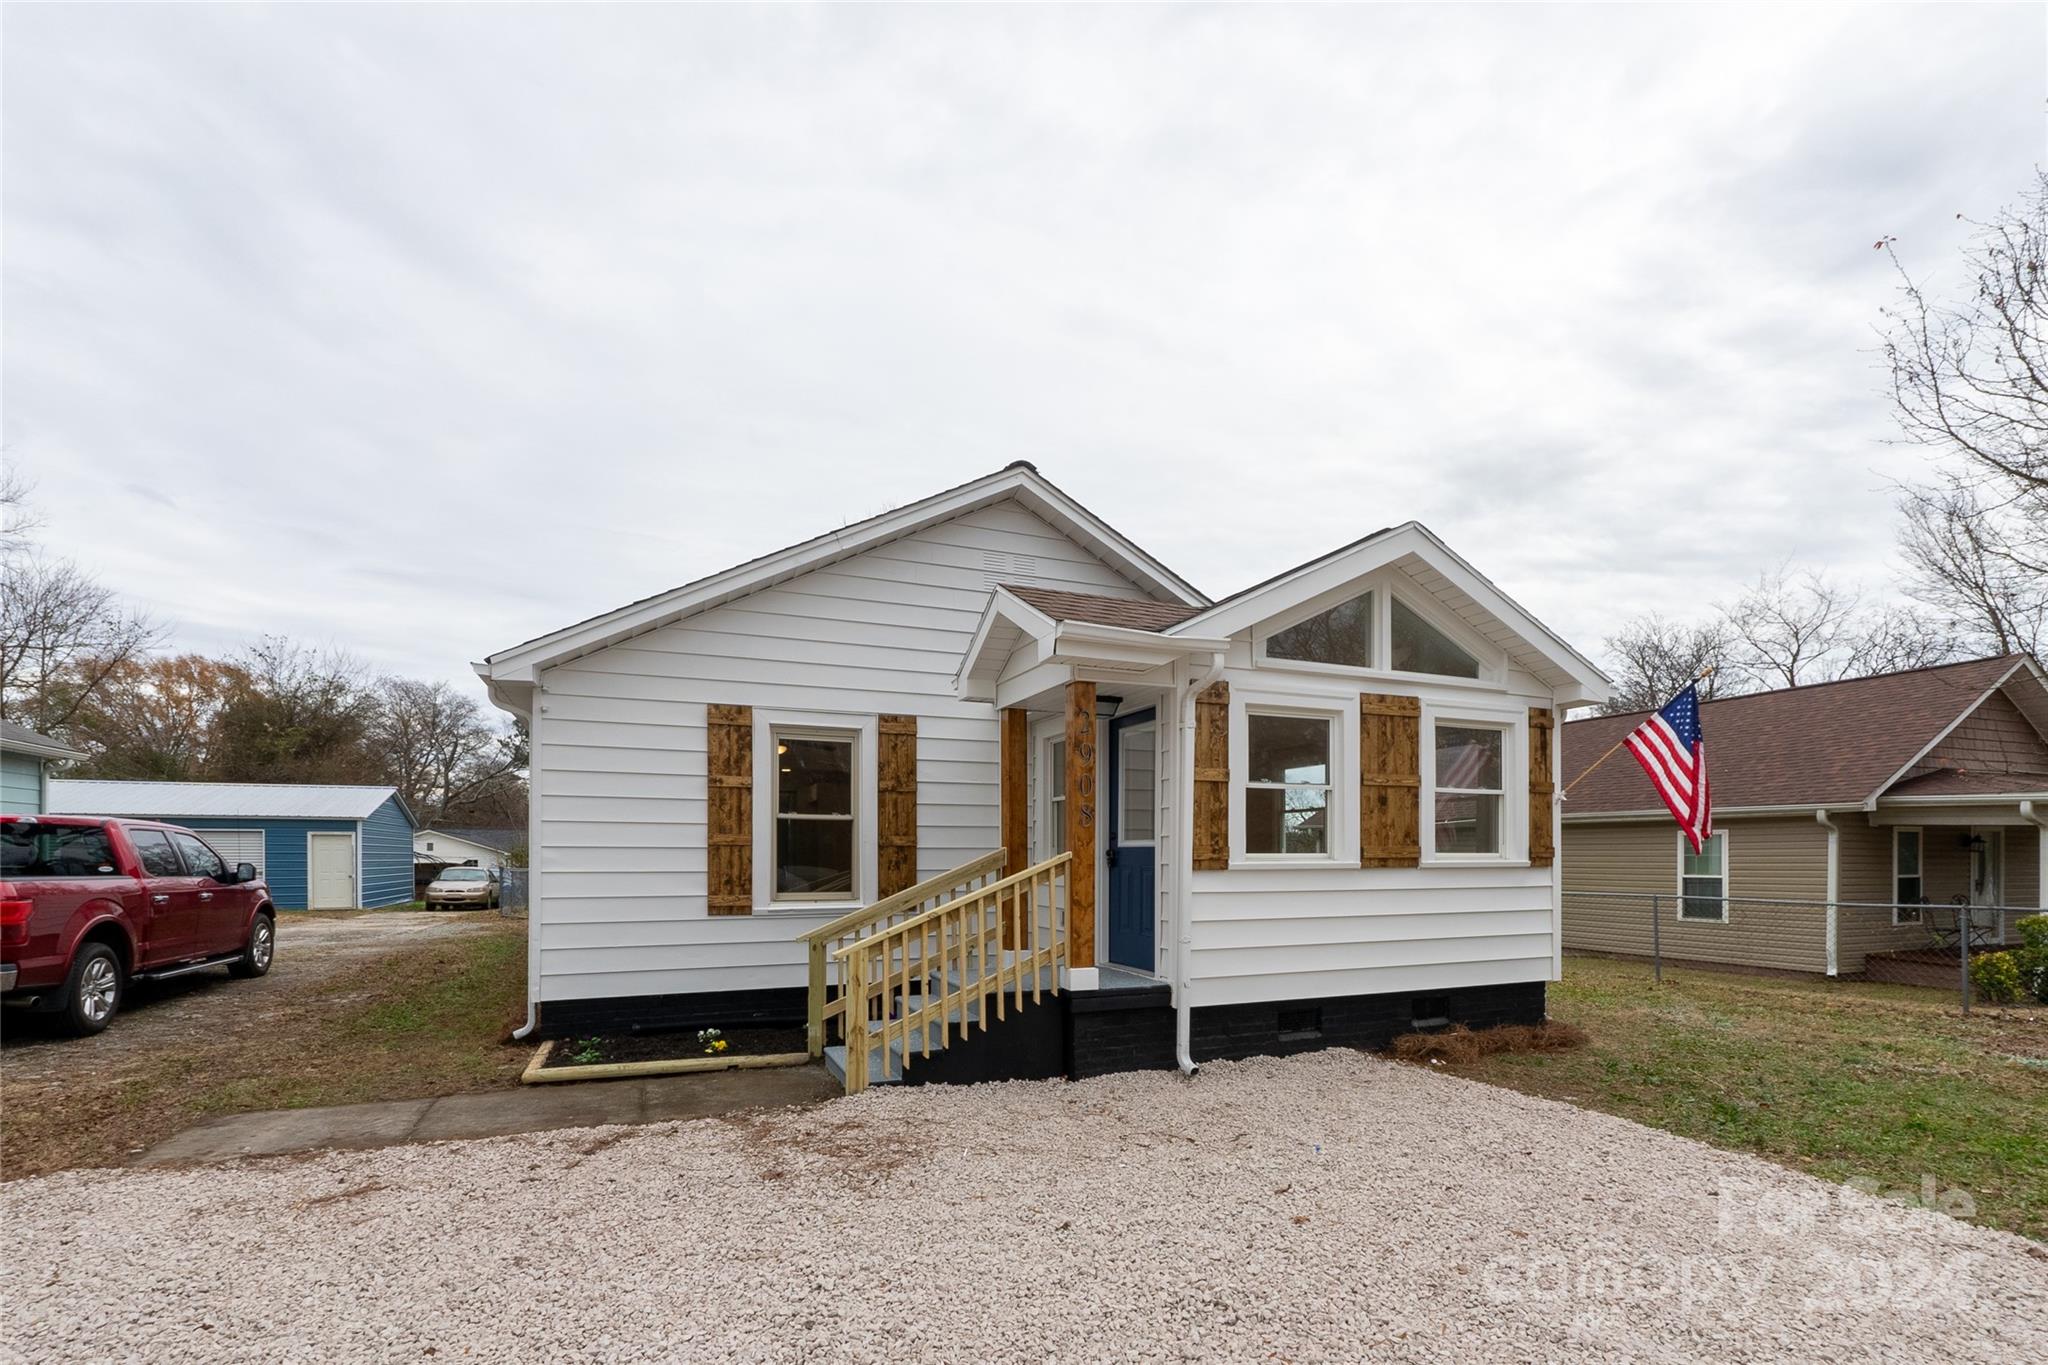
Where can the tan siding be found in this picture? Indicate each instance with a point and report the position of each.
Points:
(1775, 859)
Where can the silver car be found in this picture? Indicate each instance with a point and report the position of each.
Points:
(472, 887)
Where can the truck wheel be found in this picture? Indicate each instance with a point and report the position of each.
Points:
(92, 992)
(256, 954)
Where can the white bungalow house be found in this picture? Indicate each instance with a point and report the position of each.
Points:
(983, 761)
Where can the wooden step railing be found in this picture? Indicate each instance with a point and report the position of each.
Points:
(855, 925)
(909, 985)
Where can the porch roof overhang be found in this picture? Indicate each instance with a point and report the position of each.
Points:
(1018, 653)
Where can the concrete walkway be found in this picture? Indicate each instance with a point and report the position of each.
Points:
(493, 1113)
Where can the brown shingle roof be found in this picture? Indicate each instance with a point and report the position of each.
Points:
(1823, 744)
(1968, 782)
(1130, 613)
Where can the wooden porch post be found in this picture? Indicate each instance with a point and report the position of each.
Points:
(1081, 823)
(1015, 791)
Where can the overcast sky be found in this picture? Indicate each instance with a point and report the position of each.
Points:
(423, 331)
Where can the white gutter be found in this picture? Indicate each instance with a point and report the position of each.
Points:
(2034, 815)
(1834, 879)
(1184, 875)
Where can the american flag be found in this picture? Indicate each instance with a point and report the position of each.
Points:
(1673, 752)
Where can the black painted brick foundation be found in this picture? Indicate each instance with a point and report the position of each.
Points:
(773, 1007)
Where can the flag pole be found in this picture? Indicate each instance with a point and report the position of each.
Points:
(1704, 675)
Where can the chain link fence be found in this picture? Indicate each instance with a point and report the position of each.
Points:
(1904, 944)
(512, 892)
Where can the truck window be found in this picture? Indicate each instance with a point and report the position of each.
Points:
(200, 860)
(159, 859)
(30, 851)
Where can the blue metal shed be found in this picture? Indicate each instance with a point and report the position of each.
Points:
(320, 847)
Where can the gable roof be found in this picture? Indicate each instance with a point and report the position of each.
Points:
(1125, 612)
(215, 800)
(19, 739)
(513, 670)
(1434, 571)
(503, 840)
(1823, 744)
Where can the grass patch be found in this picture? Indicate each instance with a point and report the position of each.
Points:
(1842, 1080)
(429, 1019)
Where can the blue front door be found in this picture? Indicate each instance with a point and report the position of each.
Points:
(1132, 809)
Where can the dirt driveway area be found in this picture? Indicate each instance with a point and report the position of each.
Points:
(346, 991)
(1331, 1207)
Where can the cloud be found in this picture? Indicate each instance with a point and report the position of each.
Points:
(425, 330)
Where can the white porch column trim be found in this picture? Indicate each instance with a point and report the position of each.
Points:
(2034, 815)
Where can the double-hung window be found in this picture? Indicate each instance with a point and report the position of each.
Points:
(1287, 784)
(1471, 788)
(816, 832)
(1909, 890)
(1703, 880)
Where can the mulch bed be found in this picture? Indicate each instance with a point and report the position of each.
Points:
(604, 1049)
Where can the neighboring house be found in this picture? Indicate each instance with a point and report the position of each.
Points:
(720, 770)
(1853, 817)
(491, 848)
(25, 759)
(320, 847)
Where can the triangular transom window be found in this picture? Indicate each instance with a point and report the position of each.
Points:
(1341, 635)
(1419, 647)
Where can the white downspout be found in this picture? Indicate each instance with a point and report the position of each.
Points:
(2032, 813)
(535, 709)
(1184, 873)
(1834, 880)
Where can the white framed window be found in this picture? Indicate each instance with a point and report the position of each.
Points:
(1909, 884)
(1054, 770)
(1415, 644)
(1469, 796)
(1379, 627)
(1703, 879)
(815, 853)
(1341, 635)
(1137, 779)
(1289, 782)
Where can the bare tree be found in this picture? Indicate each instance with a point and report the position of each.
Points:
(300, 715)
(437, 747)
(1654, 658)
(62, 636)
(18, 517)
(157, 718)
(1969, 381)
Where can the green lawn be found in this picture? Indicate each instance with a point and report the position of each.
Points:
(1885, 1083)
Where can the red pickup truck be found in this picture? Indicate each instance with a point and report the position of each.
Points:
(88, 905)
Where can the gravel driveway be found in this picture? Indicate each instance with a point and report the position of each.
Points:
(161, 1018)
(1329, 1207)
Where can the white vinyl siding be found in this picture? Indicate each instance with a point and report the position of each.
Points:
(619, 786)
(1293, 931)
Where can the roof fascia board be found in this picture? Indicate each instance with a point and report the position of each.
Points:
(1005, 606)
(40, 749)
(1870, 801)
(1966, 799)
(522, 662)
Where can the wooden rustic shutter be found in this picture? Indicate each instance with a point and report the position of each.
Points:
(896, 822)
(1542, 785)
(1212, 778)
(729, 783)
(1390, 780)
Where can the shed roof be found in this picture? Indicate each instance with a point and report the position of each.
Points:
(503, 840)
(1825, 744)
(21, 739)
(208, 800)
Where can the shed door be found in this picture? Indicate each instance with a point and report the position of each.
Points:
(332, 885)
(236, 845)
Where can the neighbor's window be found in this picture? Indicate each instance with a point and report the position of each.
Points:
(1909, 892)
(1287, 784)
(37, 850)
(1471, 793)
(1419, 647)
(1703, 879)
(1056, 800)
(1341, 635)
(814, 824)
